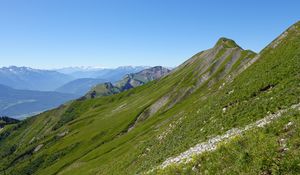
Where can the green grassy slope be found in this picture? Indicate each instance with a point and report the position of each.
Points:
(135, 131)
(270, 150)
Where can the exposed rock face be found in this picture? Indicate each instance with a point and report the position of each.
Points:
(38, 148)
(151, 110)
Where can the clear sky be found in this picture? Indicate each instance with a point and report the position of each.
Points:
(110, 33)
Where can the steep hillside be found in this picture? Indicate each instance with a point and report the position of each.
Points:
(22, 103)
(79, 86)
(32, 79)
(249, 100)
(129, 81)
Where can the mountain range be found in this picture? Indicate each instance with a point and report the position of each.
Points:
(108, 74)
(32, 79)
(226, 110)
(62, 80)
(129, 81)
(26, 91)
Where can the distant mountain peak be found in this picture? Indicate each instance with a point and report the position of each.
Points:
(227, 43)
(129, 81)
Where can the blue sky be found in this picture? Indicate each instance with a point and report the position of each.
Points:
(110, 33)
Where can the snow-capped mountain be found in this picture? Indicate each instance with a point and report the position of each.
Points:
(32, 79)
